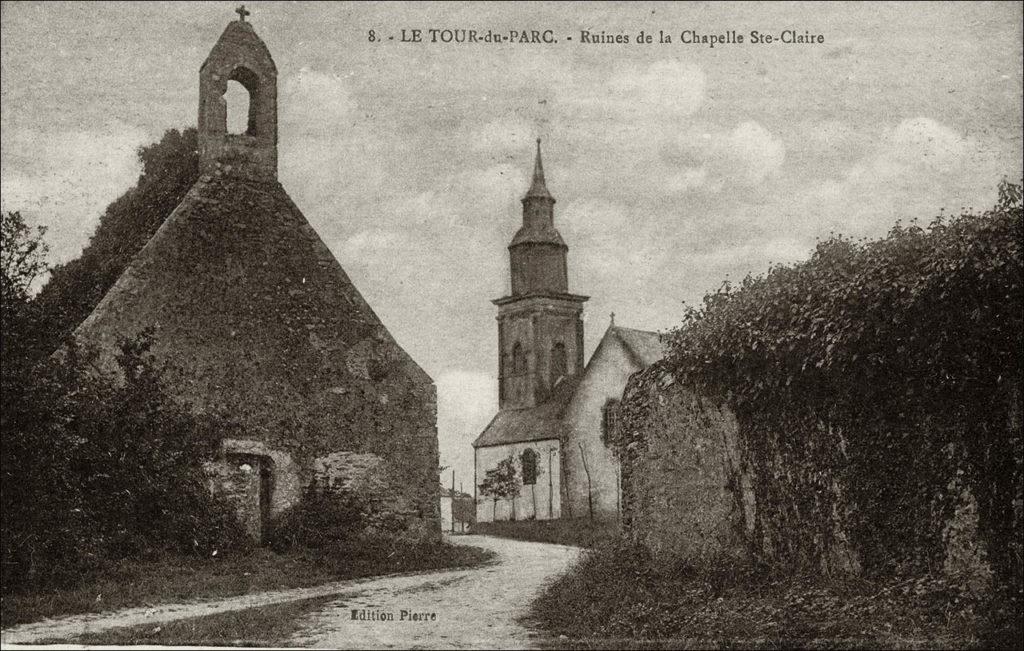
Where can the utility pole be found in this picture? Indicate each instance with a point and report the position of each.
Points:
(453, 500)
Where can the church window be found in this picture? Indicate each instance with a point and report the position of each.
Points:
(558, 363)
(609, 420)
(518, 359)
(529, 461)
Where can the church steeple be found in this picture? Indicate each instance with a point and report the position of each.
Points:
(540, 332)
(538, 251)
(241, 56)
(539, 188)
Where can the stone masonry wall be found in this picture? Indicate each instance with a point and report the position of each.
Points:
(260, 326)
(680, 459)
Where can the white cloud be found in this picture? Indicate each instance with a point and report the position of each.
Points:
(924, 142)
(686, 179)
(600, 253)
(746, 156)
(914, 168)
(751, 152)
(376, 244)
(493, 190)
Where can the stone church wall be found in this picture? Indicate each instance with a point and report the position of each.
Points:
(608, 370)
(549, 483)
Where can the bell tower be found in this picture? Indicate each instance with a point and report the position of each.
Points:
(241, 56)
(540, 329)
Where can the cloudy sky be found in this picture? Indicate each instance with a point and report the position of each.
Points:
(675, 166)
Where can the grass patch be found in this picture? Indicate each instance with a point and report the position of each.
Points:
(265, 626)
(617, 595)
(581, 532)
(174, 579)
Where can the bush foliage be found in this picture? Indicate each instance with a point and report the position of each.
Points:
(96, 470)
(322, 519)
(877, 389)
(618, 595)
(93, 469)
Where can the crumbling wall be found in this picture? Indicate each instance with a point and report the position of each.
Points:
(781, 486)
(681, 464)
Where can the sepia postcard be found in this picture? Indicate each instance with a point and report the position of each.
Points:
(512, 325)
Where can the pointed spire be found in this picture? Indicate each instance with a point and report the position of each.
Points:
(538, 188)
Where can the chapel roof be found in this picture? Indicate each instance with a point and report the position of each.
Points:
(255, 312)
(645, 346)
(538, 423)
(237, 36)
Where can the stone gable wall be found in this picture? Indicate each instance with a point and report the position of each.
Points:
(260, 326)
(607, 372)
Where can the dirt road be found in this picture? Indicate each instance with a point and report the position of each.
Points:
(466, 609)
(453, 609)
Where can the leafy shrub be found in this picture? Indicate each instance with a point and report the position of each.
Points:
(618, 593)
(323, 519)
(96, 471)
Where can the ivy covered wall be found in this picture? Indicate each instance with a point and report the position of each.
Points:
(876, 394)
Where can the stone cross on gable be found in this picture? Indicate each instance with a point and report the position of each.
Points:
(242, 13)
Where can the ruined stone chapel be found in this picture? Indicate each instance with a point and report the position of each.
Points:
(263, 328)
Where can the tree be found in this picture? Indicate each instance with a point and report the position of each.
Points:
(22, 258)
(96, 470)
(590, 488)
(22, 261)
(39, 500)
(502, 482)
(170, 168)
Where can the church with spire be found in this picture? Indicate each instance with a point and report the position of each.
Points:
(553, 410)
